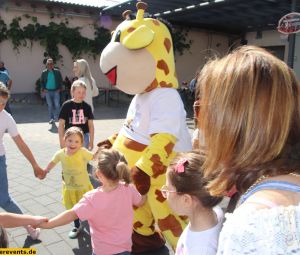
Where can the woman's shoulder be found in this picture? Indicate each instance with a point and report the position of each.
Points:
(265, 231)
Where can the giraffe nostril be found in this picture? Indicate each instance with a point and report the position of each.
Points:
(118, 36)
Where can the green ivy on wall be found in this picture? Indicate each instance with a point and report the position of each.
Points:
(53, 34)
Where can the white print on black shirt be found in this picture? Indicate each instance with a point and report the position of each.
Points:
(77, 117)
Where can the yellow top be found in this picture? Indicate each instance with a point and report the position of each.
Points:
(74, 168)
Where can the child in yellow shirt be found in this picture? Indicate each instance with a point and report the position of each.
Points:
(74, 158)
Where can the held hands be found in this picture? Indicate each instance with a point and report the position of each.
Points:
(45, 224)
(38, 172)
(38, 220)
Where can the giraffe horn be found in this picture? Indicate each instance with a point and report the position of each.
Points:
(141, 5)
(126, 14)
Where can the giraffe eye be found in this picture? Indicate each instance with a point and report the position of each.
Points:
(118, 36)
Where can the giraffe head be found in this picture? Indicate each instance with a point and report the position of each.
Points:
(140, 56)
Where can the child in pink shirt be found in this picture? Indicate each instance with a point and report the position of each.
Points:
(108, 209)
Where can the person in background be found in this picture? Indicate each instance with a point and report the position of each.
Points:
(191, 93)
(51, 84)
(6, 80)
(108, 209)
(8, 124)
(187, 195)
(82, 71)
(3, 68)
(251, 123)
(66, 91)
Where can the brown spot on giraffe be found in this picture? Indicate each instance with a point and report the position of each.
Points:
(161, 64)
(184, 217)
(159, 196)
(167, 43)
(170, 223)
(152, 86)
(169, 148)
(157, 166)
(163, 84)
(137, 224)
(155, 22)
(129, 30)
(134, 145)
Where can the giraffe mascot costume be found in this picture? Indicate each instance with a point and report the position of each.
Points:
(139, 60)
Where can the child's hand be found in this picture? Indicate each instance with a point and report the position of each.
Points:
(38, 220)
(38, 172)
(44, 224)
(143, 201)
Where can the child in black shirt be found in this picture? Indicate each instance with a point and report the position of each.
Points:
(76, 112)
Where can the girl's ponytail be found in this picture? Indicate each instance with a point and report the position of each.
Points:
(113, 165)
(123, 172)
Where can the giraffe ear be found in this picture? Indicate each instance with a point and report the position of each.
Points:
(139, 38)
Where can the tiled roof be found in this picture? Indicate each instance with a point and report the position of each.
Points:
(89, 3)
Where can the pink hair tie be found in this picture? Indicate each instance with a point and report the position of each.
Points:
(180, 165)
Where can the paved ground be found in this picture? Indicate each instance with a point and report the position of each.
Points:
(44, 197)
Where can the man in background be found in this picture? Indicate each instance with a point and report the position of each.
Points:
(51, 83)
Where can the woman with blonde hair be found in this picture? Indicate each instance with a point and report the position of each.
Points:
(81, 70)
(250, 121)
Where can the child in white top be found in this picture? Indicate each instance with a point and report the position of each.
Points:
(186, 194)
(108, 209)
(8, 124)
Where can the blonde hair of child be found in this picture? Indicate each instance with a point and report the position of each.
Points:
(74, 131)
(77, 84)
(113, 165)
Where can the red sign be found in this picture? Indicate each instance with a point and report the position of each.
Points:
(289, 23)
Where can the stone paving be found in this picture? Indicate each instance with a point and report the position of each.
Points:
(43, 197)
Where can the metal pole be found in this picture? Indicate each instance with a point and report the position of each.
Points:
(292, 39)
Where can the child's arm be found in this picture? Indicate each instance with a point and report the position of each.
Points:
(61, 132)
(59, 220)
(49, 167)
(143, 201)
(38, 172)
(91, 131)
(11, 220)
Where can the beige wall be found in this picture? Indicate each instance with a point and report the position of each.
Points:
(205, 45)
(25, 68)
(269, 38)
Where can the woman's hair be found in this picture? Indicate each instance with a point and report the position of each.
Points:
(113, 165)
(3, 238)
(186, 175)
(4, 92)
(84, 70)
(77, 84)
(74, 131)
(250, 119)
